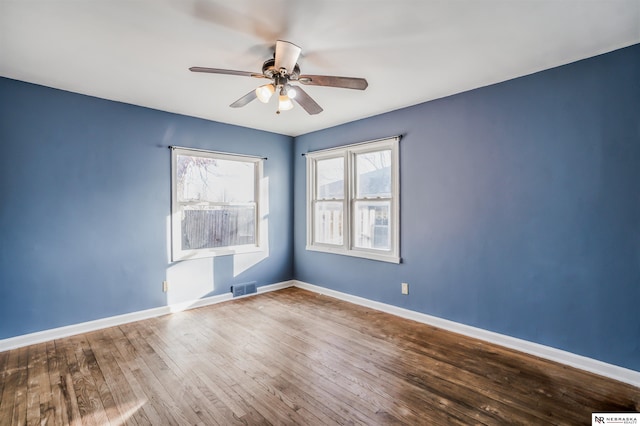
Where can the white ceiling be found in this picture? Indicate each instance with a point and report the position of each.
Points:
(139, 51)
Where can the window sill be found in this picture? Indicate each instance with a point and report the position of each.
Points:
(227, 251)
(355, 253)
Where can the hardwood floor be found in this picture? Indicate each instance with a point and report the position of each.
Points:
(292, 357)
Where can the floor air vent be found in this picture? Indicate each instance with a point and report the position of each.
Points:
(242, 289)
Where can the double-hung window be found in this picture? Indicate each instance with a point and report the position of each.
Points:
(353, 200)
(214, 202)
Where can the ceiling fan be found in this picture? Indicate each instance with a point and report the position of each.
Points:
(282, 70)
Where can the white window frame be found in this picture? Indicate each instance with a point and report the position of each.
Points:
(348, 153)
(177, 253)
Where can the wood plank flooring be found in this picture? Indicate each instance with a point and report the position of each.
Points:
(292, 357)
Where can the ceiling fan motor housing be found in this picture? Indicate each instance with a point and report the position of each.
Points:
(269, 70)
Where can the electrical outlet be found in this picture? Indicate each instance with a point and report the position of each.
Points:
(165, 286)
(405, 288)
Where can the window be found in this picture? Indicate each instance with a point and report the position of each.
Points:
(353, 200)
(214, 203)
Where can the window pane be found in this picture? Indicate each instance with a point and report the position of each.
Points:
(214, 180)
(371, 225)
(328, 222)
(374, 174)
(210, 227)
(330, 180)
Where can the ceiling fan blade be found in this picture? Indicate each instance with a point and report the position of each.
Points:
(244, 100)
(287, 55)
(333, 81)
(305, 101)
(228, 72)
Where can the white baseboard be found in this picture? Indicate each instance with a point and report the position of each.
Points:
(85, 327)
(615, 372)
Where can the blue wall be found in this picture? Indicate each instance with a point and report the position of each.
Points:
(520, 209)
(84, 202)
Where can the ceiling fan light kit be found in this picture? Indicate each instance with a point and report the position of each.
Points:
(281, 70)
